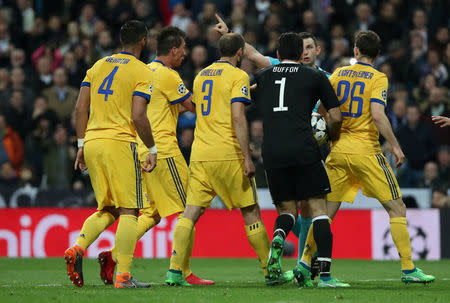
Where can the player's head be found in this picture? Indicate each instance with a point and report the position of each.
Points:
(232, 45)
(367, 44)
(310, 49)
(290, 47)
(133, 33)
(170, 43)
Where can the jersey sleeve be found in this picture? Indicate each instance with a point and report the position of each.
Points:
(173, 88)
(273, 61)
(333, 77)
(241, 90)
(87, 79)
(379, 90)
(144, 85)
(326, 93)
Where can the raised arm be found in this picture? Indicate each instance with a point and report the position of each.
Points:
(241, 129)
(249, 51)
(384, 127)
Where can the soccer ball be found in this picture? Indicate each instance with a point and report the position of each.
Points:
(319, 128)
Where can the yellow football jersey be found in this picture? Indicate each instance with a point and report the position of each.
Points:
(215, 88)
(113, 82)
(356, 86)
(168, 90)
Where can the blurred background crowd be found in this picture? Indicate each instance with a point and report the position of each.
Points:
(47, 46)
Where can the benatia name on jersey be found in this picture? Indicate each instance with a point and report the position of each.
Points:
(117, 60)
(355, 74)
(211, 72)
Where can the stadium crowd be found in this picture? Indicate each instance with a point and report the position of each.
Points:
(47, 46)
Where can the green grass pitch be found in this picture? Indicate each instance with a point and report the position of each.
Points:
(237, 280)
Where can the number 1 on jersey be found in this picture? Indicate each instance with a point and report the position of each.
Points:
(281, 107)
(107, 82)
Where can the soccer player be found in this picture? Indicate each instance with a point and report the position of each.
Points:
(167, 183)
(220, 159)
(310, 52)
(110, 109)
(356, 160)
(288, 93)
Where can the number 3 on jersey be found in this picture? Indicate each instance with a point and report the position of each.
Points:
(345, 85)
(205, 112)
(107, 82)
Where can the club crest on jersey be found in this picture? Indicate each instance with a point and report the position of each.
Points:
(244, 91)
(384, 95)
(181, 89)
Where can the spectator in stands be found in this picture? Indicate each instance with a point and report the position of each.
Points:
(418, 143)
(27, 12)
(419, 24)
(187, 138)
(434, 66)
(43, 77)
(37, 34)
(6, 43)
(58, 160)
(4, 85)
(387, 25)
(212, 38)
(87, 20)
(11, 146)
(18, 60)
(50, 51)
(440, 199)
(104, 45)
(197, 62)
(430, 175)
(17, 114)
(25, 195)
(73, 69)
(180, 17)
(61, 97)
(207, 17)
(54, 28)
(9, 182)
(441, 39)
(422, 92)
(193, 35)
(443, 159)
(18, 83)
(364, 18)
(437, 106)
(398, 114)
(310, 24)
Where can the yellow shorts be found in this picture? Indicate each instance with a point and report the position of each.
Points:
(371, 173)
(224, 178)
(115, 173)
(166, 186)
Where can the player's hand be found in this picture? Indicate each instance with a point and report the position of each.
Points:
(253, 87)
(399, 156)
(150, 162)
(442, 121)
(220, 27)
(79, 161)
(249, 168)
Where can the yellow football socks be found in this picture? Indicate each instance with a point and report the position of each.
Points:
(93, 227)
(310, 247)
(400, 235)
(145, 223)
(181, 240)
(126, 237)
(186, 267)
(258, 239)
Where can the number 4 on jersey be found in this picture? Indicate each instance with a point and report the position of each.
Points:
(107, 82)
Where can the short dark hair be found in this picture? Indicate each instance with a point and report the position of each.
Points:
(368, 43)
(290, 46)
(307, 35)
(132, 32)
(168, 38)
(229, 44)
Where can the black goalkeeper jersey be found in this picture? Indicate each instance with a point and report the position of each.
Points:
(286, 94)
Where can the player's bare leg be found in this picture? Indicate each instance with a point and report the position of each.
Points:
(92, 228)
(181, 241)
(400, 235)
